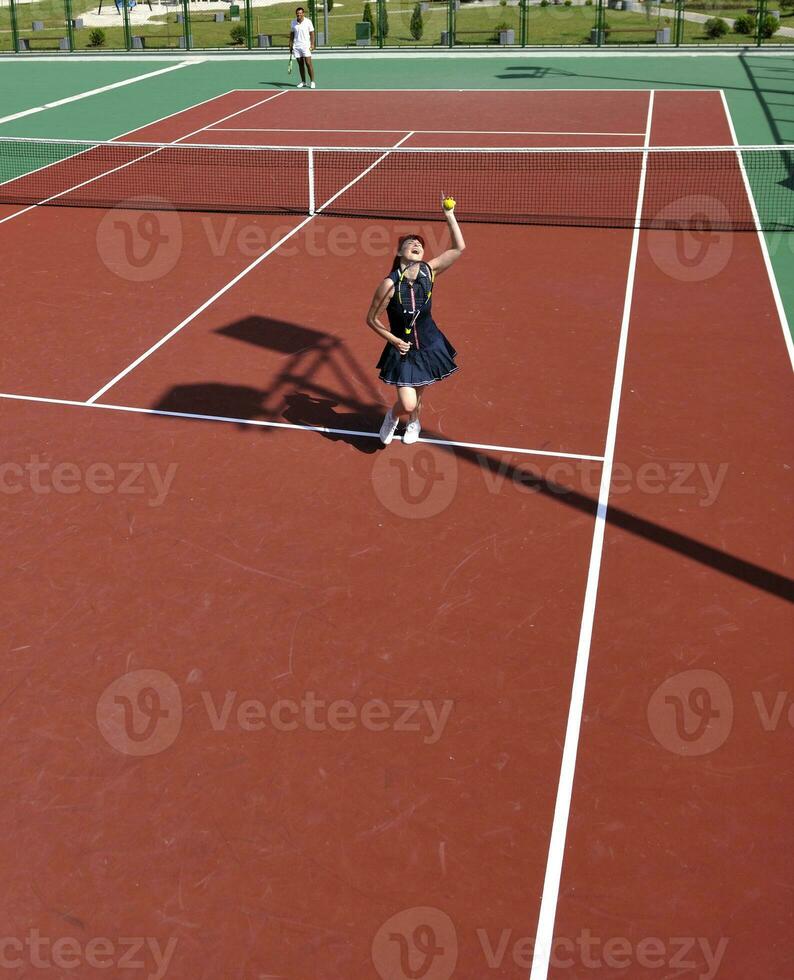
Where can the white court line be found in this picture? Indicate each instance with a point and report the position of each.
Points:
(445, 132)
(129, 163)
(96, 91)
(289, 425)
(544, 934)
(240, 275)
(781, 311)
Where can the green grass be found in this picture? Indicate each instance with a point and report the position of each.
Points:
(6, 39)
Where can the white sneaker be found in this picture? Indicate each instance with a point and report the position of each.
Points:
(301, 84)
(312, 85)
(388, 428)
(412, 431)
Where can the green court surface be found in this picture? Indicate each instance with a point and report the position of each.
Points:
(759, 89)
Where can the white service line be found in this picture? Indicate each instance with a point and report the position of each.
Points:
(129, 163)
(239, 276)
(262, 423)
(544, 934)
(96, 91)
(781, 310)
(443, 132)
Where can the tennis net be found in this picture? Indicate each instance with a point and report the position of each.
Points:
(703, 188)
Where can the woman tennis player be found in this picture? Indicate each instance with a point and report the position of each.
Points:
(417, 353)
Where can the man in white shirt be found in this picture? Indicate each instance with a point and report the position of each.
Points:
(301, 45)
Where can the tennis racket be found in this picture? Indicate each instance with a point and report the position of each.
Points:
(289, 65)
(414, 295)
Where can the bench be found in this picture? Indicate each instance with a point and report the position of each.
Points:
(63, 43)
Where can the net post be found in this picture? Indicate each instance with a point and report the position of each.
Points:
(14, 27)
(67, 9)
(759, 27)
(311, 178)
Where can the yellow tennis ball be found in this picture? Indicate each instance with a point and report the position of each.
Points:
(449, 203)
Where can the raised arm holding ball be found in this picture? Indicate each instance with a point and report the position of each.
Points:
(417, 353)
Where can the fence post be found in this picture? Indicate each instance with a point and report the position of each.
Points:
(522, 22)
(679, 22)
(249, 25)
(14, 28)
(186, 30)
(451, 23)
(67, 4)
(127, 32)
(600, 22)
(379, 21)
(759, 36)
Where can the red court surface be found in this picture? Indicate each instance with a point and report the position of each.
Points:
(281, 703)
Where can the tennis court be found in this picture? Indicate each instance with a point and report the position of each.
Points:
(280, 702)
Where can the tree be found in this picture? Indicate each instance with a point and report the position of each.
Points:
(384, 19)
(417, 24)
(368, 18)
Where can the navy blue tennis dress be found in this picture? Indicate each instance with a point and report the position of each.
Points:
(431, 356)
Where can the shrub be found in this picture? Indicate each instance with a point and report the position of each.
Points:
(384, 21)
(588, 3)
(368, 18)
(237, 34)
(417, 23)
(502, 3)
(769, 26)
(330, 5)
(96, 38)
(744, 24)
(715, 27)
(544, 3)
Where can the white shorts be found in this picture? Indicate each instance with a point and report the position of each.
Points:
(302, 52)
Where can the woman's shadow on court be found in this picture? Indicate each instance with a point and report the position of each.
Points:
(317, 383)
